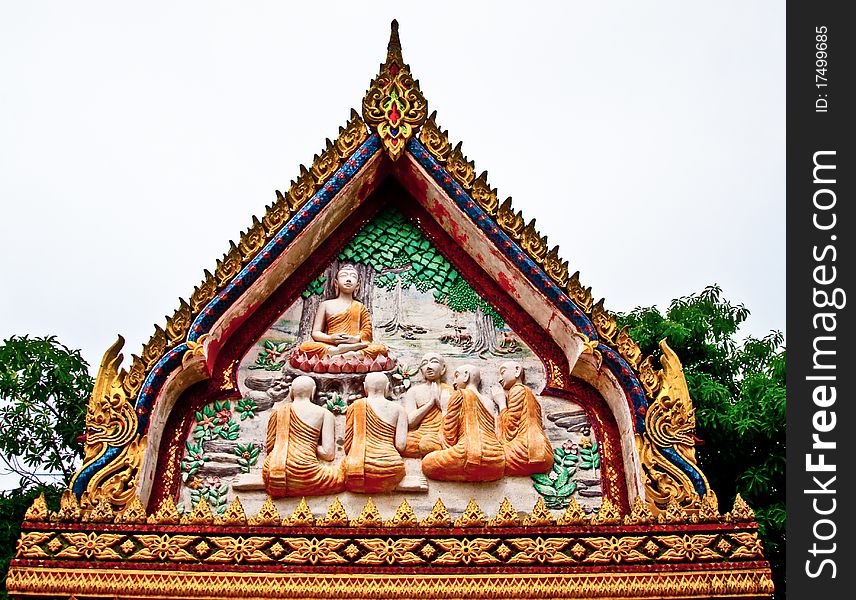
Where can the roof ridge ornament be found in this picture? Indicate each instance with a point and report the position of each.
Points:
(394, 107)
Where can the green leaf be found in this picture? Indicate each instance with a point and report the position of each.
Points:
(542, 479)
(544, 490)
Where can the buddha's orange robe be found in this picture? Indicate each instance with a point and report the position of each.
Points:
(527, 449)
(353, 321)
(373, 464)
(292, 467)
(472, 451)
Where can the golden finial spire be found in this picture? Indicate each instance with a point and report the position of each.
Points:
(393, 48)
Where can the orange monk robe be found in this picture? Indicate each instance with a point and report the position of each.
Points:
(372, 464)
(353, 321)
(426, 437)
(527, 449)
(291, 467)
(472, 451)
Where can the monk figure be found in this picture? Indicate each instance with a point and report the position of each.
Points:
(471, 449)
(299, 434)
(521, 429)
(424, 404)
(343, 324)
(375, 434)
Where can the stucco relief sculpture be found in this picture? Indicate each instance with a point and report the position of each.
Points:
(424, 404)
(471, 449)
(343, 325)
(375, 436)
(300, 435)
(521, 427)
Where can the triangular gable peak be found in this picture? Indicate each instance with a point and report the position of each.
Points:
(395, 145)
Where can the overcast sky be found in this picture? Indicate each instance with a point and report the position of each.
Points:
(646, 138)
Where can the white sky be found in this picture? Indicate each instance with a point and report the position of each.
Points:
(646, 138)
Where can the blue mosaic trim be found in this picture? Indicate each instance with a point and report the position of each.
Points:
(535, 274)
(690, 469)
(82, 479)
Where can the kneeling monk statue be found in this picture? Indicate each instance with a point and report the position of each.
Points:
(521, 428)
(424, 404)
(471, 450)
(343, 324)
(299, 434)
(375, 435)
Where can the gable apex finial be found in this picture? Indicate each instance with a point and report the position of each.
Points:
(393, 48)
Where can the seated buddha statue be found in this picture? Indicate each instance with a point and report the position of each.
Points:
(343, 324)
(521, 428)
(471, 450)
(299, 434)
(424, 404)
(375, 435)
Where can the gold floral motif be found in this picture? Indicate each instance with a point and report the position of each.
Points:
(532, 242)
(314, 551)
(640, 514)
(203, 293)
(540, 550)
(573, 515)
(404, 516)
(90, 545)
(369, 517)
(336, 516)
(200, 515)
(276, 215)
(580, 295)
(394, 106)
(102, 513)
(554, 372)
(460, 168)
(615, 549)
(326, 163)
(166, 514)
(465, 551)
(649, 378)
(390, 551)
(435, 140)
(506, 516)
(267, 515)
(555, 267)
(239, 549)
(127, 547)
(38, 510)
(164, 547)
(741, 511)
(540, 516)
(134, 512)
(252, 240)
(301, 517)
(227, 267)
(472, 517)
(629, 349)
(178, 324)
(69, 510)
(709, 509)
(590, 347)
(438, 517)
(674, 513)
(511, 222)
(608, 514)
(484, 195)
(687, 548)
(300, 191)
(351, 136)
(28, 544)
(749, 546)
(604, 322)
(234, 515)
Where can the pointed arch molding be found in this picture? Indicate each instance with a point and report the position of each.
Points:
(652, 408)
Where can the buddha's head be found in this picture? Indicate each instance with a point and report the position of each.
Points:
(467, 376)
(376, 384)
(432, 366)
(510, 373)
(302, 388)
(347, 279)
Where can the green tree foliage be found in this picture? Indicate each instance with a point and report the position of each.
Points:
(44, 388)
(738, 390)
(394, 247)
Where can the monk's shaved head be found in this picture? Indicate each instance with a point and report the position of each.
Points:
(302, 387)
(376, 384)
(468, 374)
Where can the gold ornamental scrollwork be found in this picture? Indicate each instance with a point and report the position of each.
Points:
(394, 107)
(670, 425)
(436, 141)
